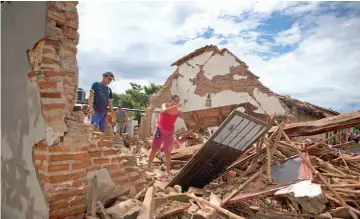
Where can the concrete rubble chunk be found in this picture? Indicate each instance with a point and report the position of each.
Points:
(306, 194)
(128, 209)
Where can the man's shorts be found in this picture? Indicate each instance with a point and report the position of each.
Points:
(166, 138)
(100, 121)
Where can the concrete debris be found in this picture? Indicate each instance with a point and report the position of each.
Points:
(241, 189)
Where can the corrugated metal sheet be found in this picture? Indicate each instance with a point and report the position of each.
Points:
(234, 136)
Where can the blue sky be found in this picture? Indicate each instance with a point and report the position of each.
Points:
(308, 50)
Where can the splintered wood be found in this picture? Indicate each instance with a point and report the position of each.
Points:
(239, 175)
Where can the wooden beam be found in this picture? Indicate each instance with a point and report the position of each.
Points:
(334, 123)
(147, 208)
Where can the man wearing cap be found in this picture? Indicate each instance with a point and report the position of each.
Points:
(100, 99)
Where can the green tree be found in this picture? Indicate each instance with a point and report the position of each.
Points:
(136, 97)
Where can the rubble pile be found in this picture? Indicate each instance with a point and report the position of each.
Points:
(277, 177)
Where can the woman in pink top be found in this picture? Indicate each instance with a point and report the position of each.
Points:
(164, 131)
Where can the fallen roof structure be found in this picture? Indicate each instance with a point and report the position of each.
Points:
(234, 136)
(342, 121)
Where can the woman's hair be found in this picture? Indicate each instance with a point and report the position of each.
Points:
(173, 97)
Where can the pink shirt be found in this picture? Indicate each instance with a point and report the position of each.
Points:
(167, 121)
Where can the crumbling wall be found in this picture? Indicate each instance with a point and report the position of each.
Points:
(48, 151)
(213, 77)
(22, 123)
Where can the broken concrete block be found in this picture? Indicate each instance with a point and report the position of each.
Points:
(178, 188)
(307, 194)
(104, 188)
(128, 209)
(169, 190)
(208, 212)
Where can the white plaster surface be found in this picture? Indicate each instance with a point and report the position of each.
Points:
(270, 104)
(219, 65)
(302, 189)
(216, 65)
(239, 77)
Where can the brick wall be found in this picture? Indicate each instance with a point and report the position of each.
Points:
(63, 170)
(71, 149)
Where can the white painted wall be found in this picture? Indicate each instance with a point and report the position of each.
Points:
(212, 66)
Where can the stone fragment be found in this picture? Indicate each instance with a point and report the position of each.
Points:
(128, 209)
(178, 188)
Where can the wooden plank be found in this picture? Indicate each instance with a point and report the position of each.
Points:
(146, 211)
(207, 117)
(334, 123)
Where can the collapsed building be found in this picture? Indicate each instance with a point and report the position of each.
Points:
(213, 77)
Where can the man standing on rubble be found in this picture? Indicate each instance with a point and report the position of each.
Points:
(100, 99)
(164, 132)
(121, 118)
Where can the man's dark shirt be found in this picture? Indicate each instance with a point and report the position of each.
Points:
(102, 95)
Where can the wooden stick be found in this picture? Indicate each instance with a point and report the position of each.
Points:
(220, 209)
(282, 131)
(317, 173)
(356, 192)
(357, 185)
(268, 163)
(335, 200)
(103, 210)
(291, 214)
(347, 167)
(272, 152)
(341, 176)
(321, 142)
(242, 186)
(146, 210)
(142, 192)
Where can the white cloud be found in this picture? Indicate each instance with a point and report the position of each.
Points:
(290, 36)
(138, 39)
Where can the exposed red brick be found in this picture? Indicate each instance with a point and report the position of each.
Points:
(40, 157)
(46, 60)
(59, 17)
(130, 169)
(104, 143)
(116, 159)
(81, 165)
(46, 84)
(62, 178)
(54, 73)
(85, 148)
(53, 118)
(110, 152)
(77, 156)
(58, 205)
(67, 212)
(117, 173)
(50, 95)
(95, 153)
(59, 148)
(101, 161)
(54, 168)
(111, 166)
(54, 106)
(41, 148)
(78, 201)
(71, 15)
(94, 168)
(70, 33)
